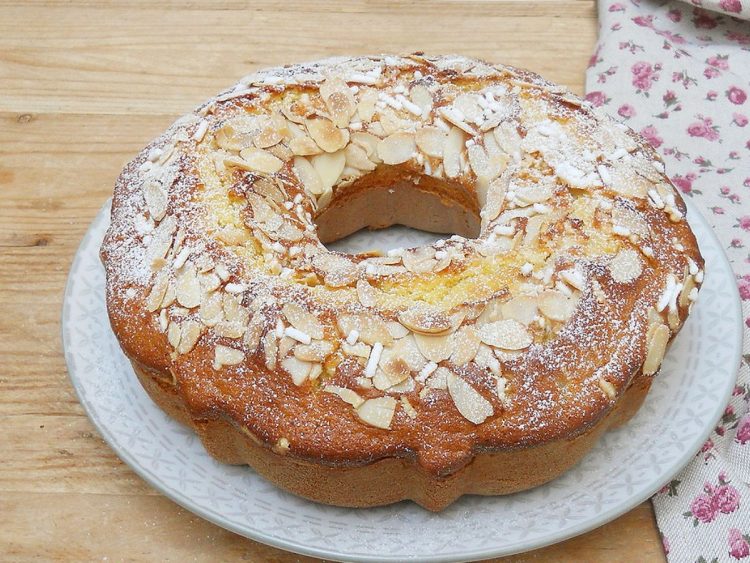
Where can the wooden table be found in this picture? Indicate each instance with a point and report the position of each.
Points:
(83, 86)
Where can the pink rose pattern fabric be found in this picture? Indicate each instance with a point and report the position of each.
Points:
(679, 74)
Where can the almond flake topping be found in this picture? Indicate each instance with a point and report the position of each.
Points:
(298, 369)
(261, 160)
(626, 266)
(345, 394)
(327, 136)
(378, 412)
(396, 148)
(424, 319)
(431, 141)
(656, 343)
(156, 200)
(188, 287)
(472, 406)
(507, 334)
(303, 321)
(226, 356)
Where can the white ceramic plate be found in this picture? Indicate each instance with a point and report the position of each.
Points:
(625, 468)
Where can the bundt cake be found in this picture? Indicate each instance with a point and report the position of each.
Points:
(488, 362)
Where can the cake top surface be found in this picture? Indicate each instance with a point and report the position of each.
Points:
(574, 268)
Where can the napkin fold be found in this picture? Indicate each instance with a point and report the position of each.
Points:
(679, 74)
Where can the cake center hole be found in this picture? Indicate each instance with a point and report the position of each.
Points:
(378, 213)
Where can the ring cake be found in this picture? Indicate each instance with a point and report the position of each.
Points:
(487, 363)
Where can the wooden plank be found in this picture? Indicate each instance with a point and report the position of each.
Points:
(143, 528)
(122, 61)
(83, 86)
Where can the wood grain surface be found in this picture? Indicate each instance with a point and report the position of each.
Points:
(83, 86)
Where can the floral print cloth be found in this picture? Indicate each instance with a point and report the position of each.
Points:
(679, 73)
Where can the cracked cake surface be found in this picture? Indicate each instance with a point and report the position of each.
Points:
(571, 268)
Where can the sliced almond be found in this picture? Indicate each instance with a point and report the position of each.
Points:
(329, 167)
(468, 105)
(161, 240)
(347, 395)
(285, 345)
(424, 319)
(397, 148)
(270, 189)
(486, 359)
(317, 351)
(455, 118)
(419, 260)
(472, 406)
(368, 97)
(261, 160)
(480, 163)
(434, 348)
(377, 412)
(439, 379)
(174, 333)
(522, 308)
(307, 174)
(289, 232)
(298, 369)
(507, 137)
(465, 345)
(360, 349)
(407, 350)
(687, 288)
(156, 200)
(235, 136)
(271, 131)
(657, 340)
(368, 295)
(493, 311)
(263, 212)
(188, 288)
(191, 332)
(327, 136)
(421, 96)
(626, 217)
(270, 349)
(304, 146)
(508, 334)
(337, 270)
(369, 144)
(494, 200)
(608, 389)
(555, 305)
(339, 100)
(371, 328)
(533, 192)
(408, 408)
(431, 141)
(226, 356)
(454, 145)
(356, 157)
(253, 333)
(303, 320)
(211, 310)
(158, 290)
(390, 373)
(626, 266)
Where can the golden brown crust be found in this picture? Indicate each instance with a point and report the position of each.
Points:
(522, 340)
(393, 479)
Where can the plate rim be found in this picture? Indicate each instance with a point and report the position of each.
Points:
(518, 546)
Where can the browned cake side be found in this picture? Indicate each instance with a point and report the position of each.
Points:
(486, 363)
(393, 479)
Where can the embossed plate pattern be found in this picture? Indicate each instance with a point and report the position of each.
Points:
(625, 468)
